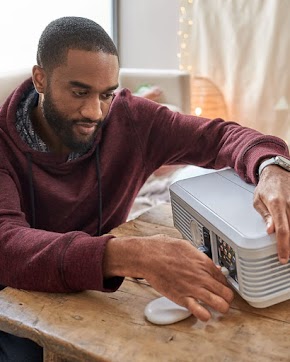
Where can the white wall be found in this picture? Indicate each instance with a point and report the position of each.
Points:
(148, 33)
(20, 28)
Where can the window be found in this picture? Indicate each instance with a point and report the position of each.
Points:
(22, 22)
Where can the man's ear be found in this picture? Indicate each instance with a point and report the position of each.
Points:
(39, 78)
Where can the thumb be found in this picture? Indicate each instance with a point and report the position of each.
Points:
(267, 217)
(269, 223)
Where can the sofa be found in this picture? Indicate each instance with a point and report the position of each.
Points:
(175, 84)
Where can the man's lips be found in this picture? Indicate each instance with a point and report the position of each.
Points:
(86, 128)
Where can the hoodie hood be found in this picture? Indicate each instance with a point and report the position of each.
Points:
(10, 134)
(59, 163)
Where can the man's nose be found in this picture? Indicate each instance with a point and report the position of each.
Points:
(92, 110)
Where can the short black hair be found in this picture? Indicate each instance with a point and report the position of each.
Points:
(71, 32)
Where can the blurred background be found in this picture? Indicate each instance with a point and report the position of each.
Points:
(235, 51)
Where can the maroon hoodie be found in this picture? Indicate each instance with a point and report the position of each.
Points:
(60, 253)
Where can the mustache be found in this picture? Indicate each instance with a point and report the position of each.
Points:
(86, 120)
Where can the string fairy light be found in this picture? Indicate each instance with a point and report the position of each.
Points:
(184, 34)
(206, 98)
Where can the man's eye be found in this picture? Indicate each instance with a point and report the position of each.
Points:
(80, 93)
(107, 96)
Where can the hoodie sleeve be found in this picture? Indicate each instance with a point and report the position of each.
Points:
(41, 260)
(199, 141)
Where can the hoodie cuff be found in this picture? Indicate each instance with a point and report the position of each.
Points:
(255, 154)
(81, 267)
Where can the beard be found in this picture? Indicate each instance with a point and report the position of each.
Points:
(63, 127)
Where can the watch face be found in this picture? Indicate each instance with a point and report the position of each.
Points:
(283, 162)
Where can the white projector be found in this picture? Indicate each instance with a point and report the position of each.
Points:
(215, 213)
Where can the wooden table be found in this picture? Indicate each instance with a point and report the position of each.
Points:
(95, 326)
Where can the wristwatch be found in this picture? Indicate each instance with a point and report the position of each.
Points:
(277, 160)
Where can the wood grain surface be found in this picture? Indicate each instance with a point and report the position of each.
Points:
(95, 326)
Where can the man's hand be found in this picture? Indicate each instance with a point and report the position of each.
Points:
(272, 201)
(174, 268)
(187, 276)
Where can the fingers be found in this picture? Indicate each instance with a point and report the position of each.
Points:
(213, 282)
(214, 301)
(213, 289)
(282, 236)
(218, 275)
(277, 219)
(221, 291)
(280, 225)
(270, 224)
(263, 211)
(185, 275)
(197, 309)
(216, 295)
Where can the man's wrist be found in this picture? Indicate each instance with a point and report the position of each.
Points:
(280, 161)
(124, 256)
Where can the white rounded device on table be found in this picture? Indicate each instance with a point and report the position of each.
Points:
(164, 311)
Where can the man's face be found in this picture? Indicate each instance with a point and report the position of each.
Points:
(64, 126)
(77, 98)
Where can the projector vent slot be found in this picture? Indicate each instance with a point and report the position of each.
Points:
(264, 276)
(182, 220)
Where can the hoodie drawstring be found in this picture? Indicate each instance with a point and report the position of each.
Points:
(31, 189)
(100, 206)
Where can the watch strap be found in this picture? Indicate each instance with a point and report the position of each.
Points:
(269, 161)
(280, 161)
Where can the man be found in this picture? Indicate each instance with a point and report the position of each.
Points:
(73, 155)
